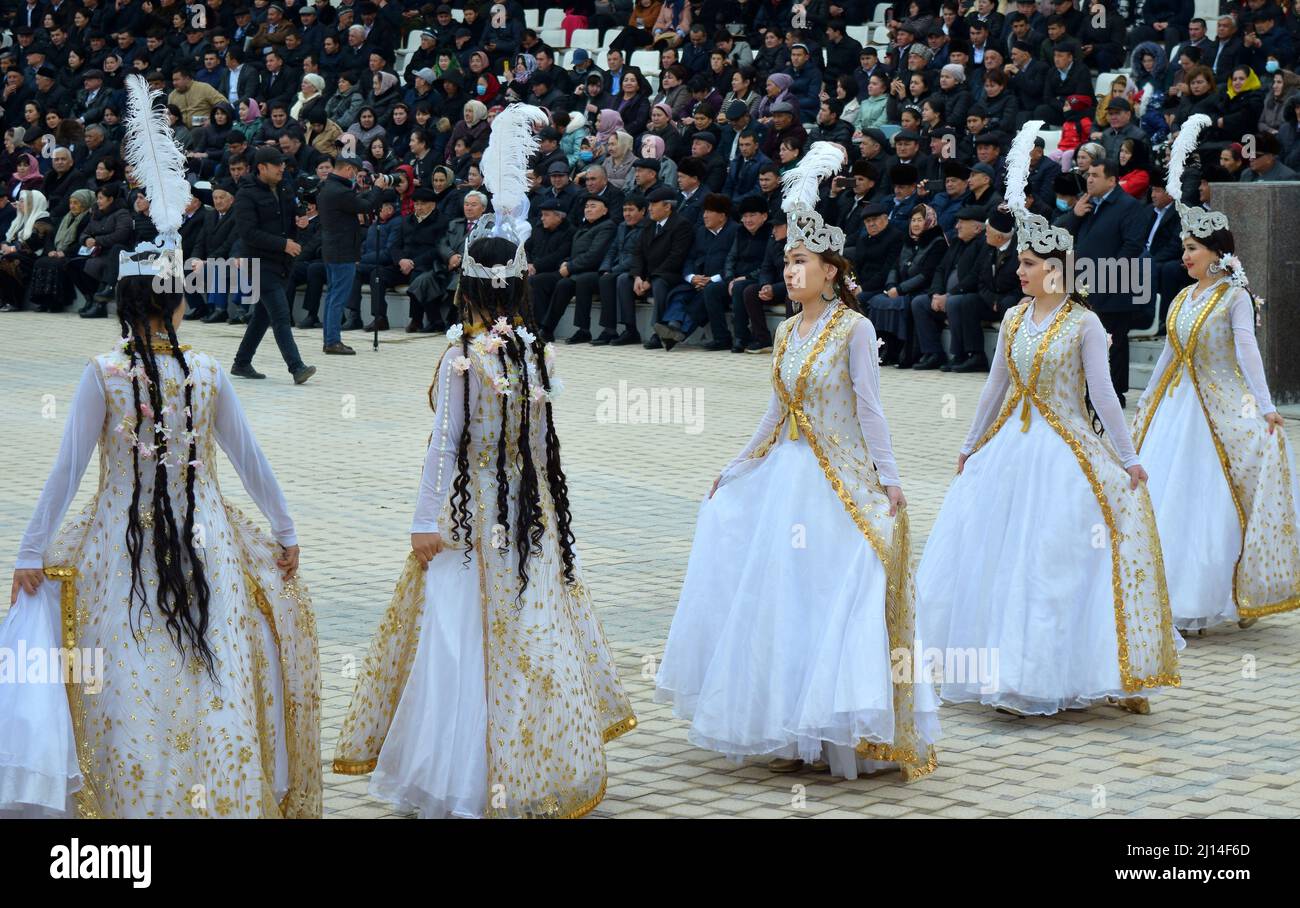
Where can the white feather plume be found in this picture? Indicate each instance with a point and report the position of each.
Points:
(799, 186)
(1183, 146)
(1018, 166)
(158, 162)
(505, 162)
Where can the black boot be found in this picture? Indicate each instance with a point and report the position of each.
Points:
(95, 310)
(215, 316)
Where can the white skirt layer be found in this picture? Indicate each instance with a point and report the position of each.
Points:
(779, 645)
(38, 753)
(1017, 573)
(1200, 533)
(434, 759)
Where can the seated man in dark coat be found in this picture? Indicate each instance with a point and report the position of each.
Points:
(876, 251)
(658, 263)
(703, 296)
(957, 280)
(744, 263)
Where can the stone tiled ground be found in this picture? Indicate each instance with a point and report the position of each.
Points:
(348, 447)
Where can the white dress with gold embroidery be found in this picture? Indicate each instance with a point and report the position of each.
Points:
(1041, 584)
(799, 586)
(475, 701)
(1228, 521)
(155, 736)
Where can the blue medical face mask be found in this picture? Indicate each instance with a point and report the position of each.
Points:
(1062, 205)
(585, 156)
(1272, 66)
(480, 89)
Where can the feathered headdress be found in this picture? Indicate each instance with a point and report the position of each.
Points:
(799, 189)
(512, 143)
(150, 150)
(1033, 231)
(1197, 222)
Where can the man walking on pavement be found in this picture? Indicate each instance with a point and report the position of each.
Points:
(341, 232)
(264, 218)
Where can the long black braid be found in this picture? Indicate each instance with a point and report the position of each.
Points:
(183, 594)
(480, 303)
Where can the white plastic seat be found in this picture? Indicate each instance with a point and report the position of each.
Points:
(553, 18)
(585, 37)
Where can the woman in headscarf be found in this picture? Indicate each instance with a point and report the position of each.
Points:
(250, 120)
(608, 124)
(575, 130)
(50, 292)
(1134, 168)
(473, 127)
(404, 186)
(209, 143)
(1243, 103)
(398, 126)
(619, 159)
(366, 127)
(27, 175)
(662, 125)
(777, 89)
(447, 63)
(443, 183)
(486, 86)
(25, 241)
(653, 146)
(524, 66)
(385, 94)
(312, 95)
(1277, 100)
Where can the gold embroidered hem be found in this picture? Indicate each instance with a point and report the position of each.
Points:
(1143, 620)
(1256, 465)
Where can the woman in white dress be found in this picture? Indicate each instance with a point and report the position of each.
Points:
(208, 702)
(784, 646)
(1207, 423)
(1041, 583)
(489, 689)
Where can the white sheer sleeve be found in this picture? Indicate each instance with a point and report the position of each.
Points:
(1101, 391)
(235, 436)
(864, 370)
(1241, 314)
(1162, 364)
(995, 390)
(80, 435)
(448, 423)
(766, 426)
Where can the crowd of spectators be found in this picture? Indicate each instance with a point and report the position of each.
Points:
(658, 177)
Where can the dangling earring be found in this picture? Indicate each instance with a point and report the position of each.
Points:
(828, 299)
(1214, 268)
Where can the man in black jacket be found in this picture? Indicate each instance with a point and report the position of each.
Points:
(1068, 76)
(657, 264)
(999, 290)
(876, 251)
(769, 288)
(617, 261)
(957, 278)
(415, 252)
(744, 262)
(195, 227)
(341, 230)
(264, 217)
(1110, 232)
(221, 244)
(547, 249)
(591, 241)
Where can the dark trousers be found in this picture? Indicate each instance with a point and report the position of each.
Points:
(631, 39)
(541, 286)
(927, 325)
(659, 290)
(376, 276)
(270, 311)
(756, 314)
(1117, 325)
(77, 276)
(313, 275)
(581, 288)
(740, 326)
(966, 314)
(608, 284)
(711, 304)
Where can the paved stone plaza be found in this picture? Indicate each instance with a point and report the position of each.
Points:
(348, 447)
